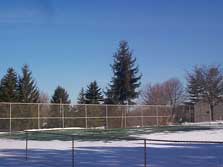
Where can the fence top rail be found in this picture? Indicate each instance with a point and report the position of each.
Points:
(186, 141)
(130, 138)
(75, 104)
(50, 133)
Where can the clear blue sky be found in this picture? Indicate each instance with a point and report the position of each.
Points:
(71, 43)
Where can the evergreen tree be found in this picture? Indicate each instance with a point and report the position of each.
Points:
(125, 80)
(205, 84)
(93, 93)
(27, 89)
(81, 97)
(8, 87)
(60, 96)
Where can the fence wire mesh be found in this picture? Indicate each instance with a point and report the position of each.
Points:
(21, 116)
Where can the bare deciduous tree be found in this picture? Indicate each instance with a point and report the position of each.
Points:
(170, 92)
(174, 91)
(153, 95)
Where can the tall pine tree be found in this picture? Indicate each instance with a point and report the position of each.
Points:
(27, 89)
(93, 93)
(81, 97)
(60, 96)
(125, 80)
(8, 87)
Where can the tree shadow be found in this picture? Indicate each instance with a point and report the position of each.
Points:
(158, 155)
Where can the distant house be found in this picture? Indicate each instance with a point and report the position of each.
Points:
(202, 113)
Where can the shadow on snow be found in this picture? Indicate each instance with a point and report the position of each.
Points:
(159, 155)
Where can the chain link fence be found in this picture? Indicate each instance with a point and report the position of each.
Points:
(22, 116)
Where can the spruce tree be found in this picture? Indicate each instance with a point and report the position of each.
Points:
(205, 83)
(81, 97)
(8, 87)
(60, 96)
(125, 80)
(27, 89)
(93, 93)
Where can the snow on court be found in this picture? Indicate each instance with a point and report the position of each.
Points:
(118, 153)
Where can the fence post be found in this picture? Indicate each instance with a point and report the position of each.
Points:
(126, 112)
(38, 116)
(63, 123)
(122, 117)
(86, 123)
(26, 145)
(60, 116)
(10, 117)
(106, 116)
(184, 115)
(145, 156)
(142, 121)
(157, 116)
(72, 151)
(191, 113)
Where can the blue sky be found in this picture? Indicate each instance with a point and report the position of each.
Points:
(71, 43)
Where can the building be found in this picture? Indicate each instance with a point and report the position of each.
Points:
(202, 113)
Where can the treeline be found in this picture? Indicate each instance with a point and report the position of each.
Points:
(19, 88)
(123, 88)
(204, 83)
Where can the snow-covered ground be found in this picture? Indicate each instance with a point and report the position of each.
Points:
(214, 123)
(118, 153)
(198, 135)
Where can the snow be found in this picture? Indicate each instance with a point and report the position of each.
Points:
(198, 135)
(214, 123)
(118, 153)
(71, 128)
(68, 128)
(64, 145)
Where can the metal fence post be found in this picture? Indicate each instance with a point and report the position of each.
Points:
(184, 115)
(126, 111)
(26, 145)
(86, 123)
(106, 115)
(122, 118)
(60, 116)
(157, 116)
(142, 121)
(10, 117)
(145, 156)
(72, 151)
(189, 113)
(38, 116)
(63, 123)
